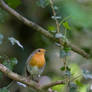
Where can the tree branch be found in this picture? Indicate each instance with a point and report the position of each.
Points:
(49, 85)
(24, 80)
(18, 78)
(40, 29)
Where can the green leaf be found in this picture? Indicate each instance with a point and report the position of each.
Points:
(10, 63)
(63, 68)
(4, 89)
(13, 3)
(67, 49)
(52, 29)
(66, 25)
(79, 83)
(13, 61)
(64, 19)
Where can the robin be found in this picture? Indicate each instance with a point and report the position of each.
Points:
(35, 64)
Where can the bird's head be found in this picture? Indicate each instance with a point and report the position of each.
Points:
(40, 51)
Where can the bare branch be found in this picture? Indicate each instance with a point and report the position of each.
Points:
(24, 80)
(31, 83)
(18, 78)
(49, 85)
(40, 29)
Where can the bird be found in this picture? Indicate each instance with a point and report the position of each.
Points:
(35, 64)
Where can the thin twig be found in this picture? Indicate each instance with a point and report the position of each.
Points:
(40, 29)
(54, 13)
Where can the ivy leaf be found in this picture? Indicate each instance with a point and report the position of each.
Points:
(1, 38)
(67, 49)
(13, 61)
(10, 63)
(4, 89)
(66, 25)
(59, 35)
(67, 73)
(14, 41)
(73, 87)
(87, 74)
(56, 17)
(43, 3)
(13, 3)
(63, 68)
(52, 29)
(64, 53)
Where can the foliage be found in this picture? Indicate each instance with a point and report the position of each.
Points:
(14, 41)
(4, 90)
(42, 3)
(3, 15)
(13, 3)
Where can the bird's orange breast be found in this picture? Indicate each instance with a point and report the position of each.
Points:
(37, 60)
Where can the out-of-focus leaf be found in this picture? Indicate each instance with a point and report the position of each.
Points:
(58, 88)
(55, 8)
(56, 17)
(64, 19)
(3, 15)
(72, 87)
(66, 25)
(59, 35)
(63, 68)
(13, 61)
(13, 3)
(52, 29)
(10, 63)
(67, 49)
(43, 3)
(79, 83)
(14, 41)
(87, 74)
(84, 88)
(57, 44)
(64, 53)
(1, 38)
(67, 73)
(75, 71)
(4, 89)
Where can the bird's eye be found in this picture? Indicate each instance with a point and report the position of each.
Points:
(39, 50)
